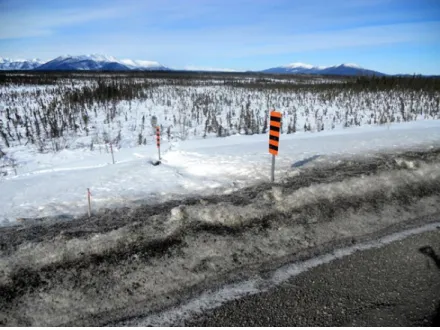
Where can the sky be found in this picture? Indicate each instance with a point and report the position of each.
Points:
(391, 36)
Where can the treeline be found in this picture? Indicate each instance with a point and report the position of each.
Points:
(256, 80)
(109, 90)
(89, 87)
(107, 106)
(416, 83)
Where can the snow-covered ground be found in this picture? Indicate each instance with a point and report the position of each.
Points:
(55, 184)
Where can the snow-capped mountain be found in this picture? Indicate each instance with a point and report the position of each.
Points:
(98, 62)
(347, 69)
(296, 67)
(110, 63)
(143, 65)
(9, 64)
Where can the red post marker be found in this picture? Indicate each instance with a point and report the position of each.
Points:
(158, 139)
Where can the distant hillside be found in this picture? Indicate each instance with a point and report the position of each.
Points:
(9, 64)
(347, 69)
(82, 63)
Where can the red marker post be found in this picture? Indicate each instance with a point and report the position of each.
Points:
(158, 139)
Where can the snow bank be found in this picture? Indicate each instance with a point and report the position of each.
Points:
(48, 185)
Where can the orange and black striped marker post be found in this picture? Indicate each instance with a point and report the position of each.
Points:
(158, 139)
(274, 138)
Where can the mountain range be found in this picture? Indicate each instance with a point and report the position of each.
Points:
(98, 62)
(8, 64)
(110, 63)
(348, 69)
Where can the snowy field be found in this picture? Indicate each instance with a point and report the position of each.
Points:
(54, 184)
(359, 159)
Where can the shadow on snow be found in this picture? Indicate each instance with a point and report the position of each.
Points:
(304, 161)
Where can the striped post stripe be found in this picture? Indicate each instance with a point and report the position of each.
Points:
(274, 134)
(158, 136)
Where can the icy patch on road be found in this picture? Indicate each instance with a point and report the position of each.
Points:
(210, 300)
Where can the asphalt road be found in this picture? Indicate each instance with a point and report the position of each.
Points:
(395, 285)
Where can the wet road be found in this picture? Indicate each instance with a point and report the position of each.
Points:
(395, 285)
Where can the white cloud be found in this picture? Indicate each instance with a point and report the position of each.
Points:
(36, 22)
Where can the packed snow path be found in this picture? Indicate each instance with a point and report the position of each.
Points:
(48, 185)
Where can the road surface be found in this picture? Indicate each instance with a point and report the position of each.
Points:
(395, 285)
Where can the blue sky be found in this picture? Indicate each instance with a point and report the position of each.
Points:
(392, 36)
